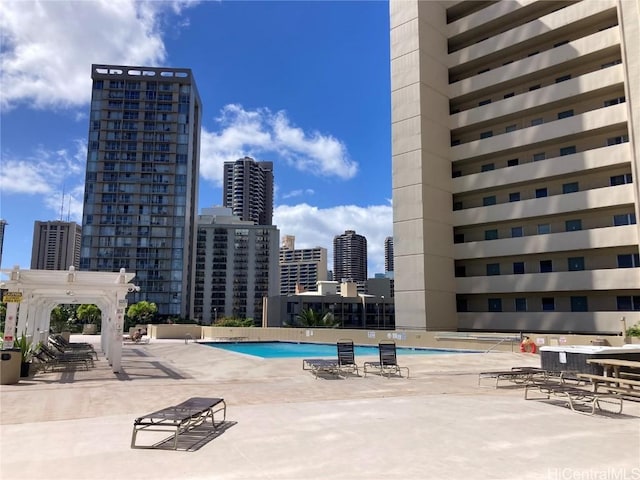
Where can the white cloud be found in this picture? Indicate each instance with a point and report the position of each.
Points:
(298, 193)
(49, 46)
(316, 227)
(265, 135)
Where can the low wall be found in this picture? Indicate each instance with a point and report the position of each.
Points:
(174, 331)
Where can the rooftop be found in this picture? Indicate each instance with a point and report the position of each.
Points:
(282, 423)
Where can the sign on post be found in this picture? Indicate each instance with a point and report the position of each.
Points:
(12, 297)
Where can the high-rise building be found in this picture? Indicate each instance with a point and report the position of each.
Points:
(349, 257)
(56, 245)
(248, 190)
(388, 254)
(515, 157)
(301, 269)
(3, 224)
(141, 186)
(236, 267)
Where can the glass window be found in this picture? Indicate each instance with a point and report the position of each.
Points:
(541, 192)
(539, 156)
(573, 225)
(565, 114)
(461, 304)
(458, 238)
(493, 269)
(509, 95)
(620, 179)
(457, 205)
(570, 187)
(546, 266)
(487, 134)
(534, 87)
(537, 121)
(575, 264)
(487, 167)
(628, 303)
(563, 78)
(456, 173)
(568, 150)
(455, 142)
(491, 200)
(491, 234)
(461, 271)
(579, 304)
(518, 268)
(517, 231)
(624, 219)
(629, 260)
(548, 304)
(512, 163)
(617, 140)
(520, 304)
(514, 197)
(510, 128)
(614, 101)
(494, 304)
(484, 102)
(543, 228)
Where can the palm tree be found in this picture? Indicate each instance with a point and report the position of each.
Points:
(310, 318)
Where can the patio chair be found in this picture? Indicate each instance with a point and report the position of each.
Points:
(320, 365)
(60, 344)
(180, 418)
(517, 375)
(346, 357)
(50, 361)
(388, 363)
(67, 356)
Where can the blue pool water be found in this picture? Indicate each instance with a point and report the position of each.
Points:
(311, 350)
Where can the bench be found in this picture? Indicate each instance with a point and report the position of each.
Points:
(620, 385)
(574, 395)
(180, 418)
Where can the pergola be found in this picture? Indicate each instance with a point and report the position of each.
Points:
(33, 294)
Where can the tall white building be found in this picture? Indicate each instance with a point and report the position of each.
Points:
(301, 269)
(56, 245)
(515, 146)
(236, 267)
(248, 190)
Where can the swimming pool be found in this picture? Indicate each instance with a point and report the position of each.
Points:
(309, 350)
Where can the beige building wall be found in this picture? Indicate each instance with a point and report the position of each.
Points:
(515, 147)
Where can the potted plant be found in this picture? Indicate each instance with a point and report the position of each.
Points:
(27, 349)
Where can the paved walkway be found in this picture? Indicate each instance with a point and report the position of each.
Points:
(283, 424)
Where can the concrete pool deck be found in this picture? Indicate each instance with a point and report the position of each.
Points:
(282, 423)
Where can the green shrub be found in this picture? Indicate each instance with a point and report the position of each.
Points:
(634, 331)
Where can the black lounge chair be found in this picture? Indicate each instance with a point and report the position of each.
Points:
(517, 375)
(388, 364)
(180, 418)
(60, 344)
(345, 363)
(575, 398)
(49, 360)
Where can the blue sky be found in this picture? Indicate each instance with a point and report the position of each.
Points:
(302, 84)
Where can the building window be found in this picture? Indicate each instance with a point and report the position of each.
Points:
(614, 101)
(461, 271)
(570, 187)
(539, 156)
(563, 42)
(510, 128)
(509, 95)
(487, 134)
(611, 64)
(518, 268)
(512, 163)
(617, 140)
(543, 229)
(494, 304)
(573, 225)
(563, 78)
(493, 269)
(458, 238)
(456, 173)
(620, 179)
(491, 234)
(534, 87)
(484, 102)
(568, 150)
(520, 304)
(514, 197)
(517, 232)
(565, 114)
(461, 304)
(575, 264)
(457, 205)
(630, 260)
(455, 142)
(487, 167)
(624, 219)
(628, 303)
(491, 200)
(579, 304)
(537, 121)
(541, 192)
(548, 304)
(546, 266)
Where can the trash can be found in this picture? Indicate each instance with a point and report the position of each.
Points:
(10, 366)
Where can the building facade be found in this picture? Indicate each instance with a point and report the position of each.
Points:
(236, 267)
(301, 269)
(515, 147)
(141, 186)
(388, 255)
(248, 190)
(56, 245)
(349, 257)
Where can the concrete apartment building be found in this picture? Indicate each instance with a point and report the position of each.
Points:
(141, 186)
(56, 245)
(236, 267)
(301, 269)
(515, 146)
(248, 190)
(350, 257)
(388, 255)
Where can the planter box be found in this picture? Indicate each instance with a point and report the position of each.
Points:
(574, 358)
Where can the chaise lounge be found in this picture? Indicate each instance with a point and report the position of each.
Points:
(180, 418)
(345, 363)
(388, 364)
